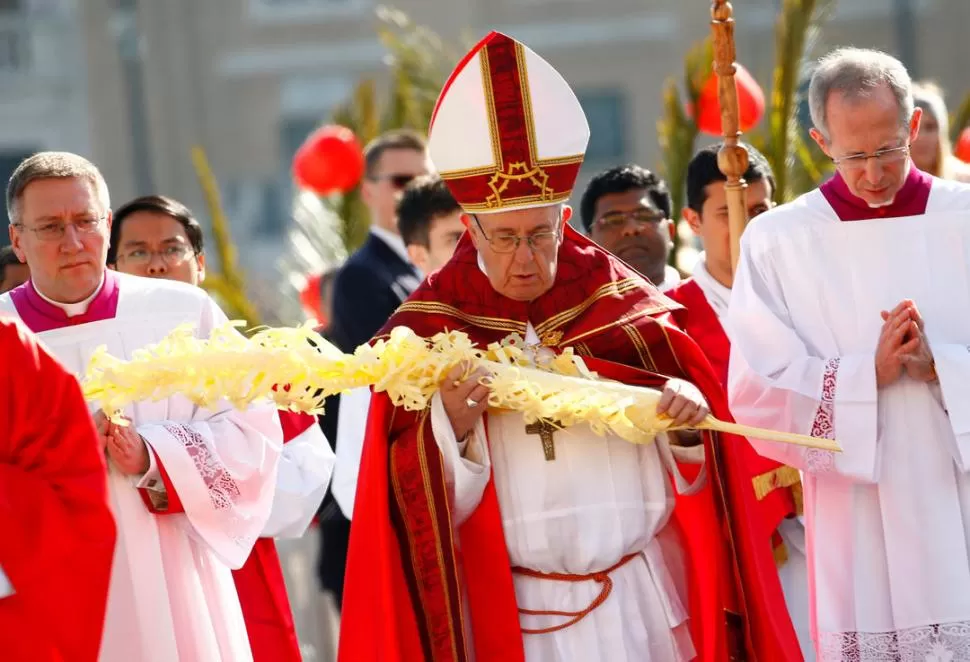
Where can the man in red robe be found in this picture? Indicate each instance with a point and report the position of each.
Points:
(706, 296)
(474, 541)
(57, 534)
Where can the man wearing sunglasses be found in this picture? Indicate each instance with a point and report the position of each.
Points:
(373, 282)
(850, 319)
(479, 536)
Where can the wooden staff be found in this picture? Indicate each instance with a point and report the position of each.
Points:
(732, 158)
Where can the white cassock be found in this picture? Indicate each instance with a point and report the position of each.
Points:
(888, 520)
(305, 468)
(351, 425)
(600, 499)
(172, 596)
(793, 573)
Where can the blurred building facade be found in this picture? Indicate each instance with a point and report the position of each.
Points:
(134, 84)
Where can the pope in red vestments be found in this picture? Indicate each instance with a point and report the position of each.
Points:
(473, 541)
(57, 534)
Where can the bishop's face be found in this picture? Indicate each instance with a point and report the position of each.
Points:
(62, 234)
(869, 143)
(520, 249)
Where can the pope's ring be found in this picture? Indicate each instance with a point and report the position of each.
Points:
(471, 403)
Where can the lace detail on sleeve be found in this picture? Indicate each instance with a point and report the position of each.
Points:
(223, 491)
(821, 461)
(948, 642)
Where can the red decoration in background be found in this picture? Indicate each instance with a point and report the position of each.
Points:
(962, 148)
(329, 161)
(311, 298)
(751, 104)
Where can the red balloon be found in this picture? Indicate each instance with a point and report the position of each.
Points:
(751, 104)
(962, 148)
(329, 161)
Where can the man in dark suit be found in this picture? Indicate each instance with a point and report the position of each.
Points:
(370, 286)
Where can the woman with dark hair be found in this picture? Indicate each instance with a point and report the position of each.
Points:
(157, 237)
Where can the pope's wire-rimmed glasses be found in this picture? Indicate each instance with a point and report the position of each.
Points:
(509, 243)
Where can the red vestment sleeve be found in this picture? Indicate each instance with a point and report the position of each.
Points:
(167, 503)
(57, 534)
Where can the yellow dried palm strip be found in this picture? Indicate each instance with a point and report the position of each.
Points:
(227, 368)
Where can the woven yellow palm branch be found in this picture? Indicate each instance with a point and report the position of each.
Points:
(228, 367)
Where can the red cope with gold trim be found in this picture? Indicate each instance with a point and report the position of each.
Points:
(407, 579)
(517, 176)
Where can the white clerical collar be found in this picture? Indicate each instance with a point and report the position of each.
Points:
(671, 279)
(72, 309)
(393, 240)
(716, 294)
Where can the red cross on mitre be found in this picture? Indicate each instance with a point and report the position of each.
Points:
(507, 131)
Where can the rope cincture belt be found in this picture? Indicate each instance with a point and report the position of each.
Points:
(602, 577)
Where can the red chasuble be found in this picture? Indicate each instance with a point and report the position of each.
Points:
(57, 534)
(777, 487)
(413, 594)
(261, 587)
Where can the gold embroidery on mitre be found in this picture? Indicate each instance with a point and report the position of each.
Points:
(517, 172)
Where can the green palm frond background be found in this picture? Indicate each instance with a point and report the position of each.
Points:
(419, 63)
(798, 164)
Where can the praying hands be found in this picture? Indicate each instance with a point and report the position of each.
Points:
(903, 346)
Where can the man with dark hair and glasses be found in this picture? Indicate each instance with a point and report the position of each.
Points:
(158, 237)
(706, 296)
(480, 535)
(850, 318)
(191, 488)
(626, 210)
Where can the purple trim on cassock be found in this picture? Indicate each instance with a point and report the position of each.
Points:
(40, 315)
(910, 201)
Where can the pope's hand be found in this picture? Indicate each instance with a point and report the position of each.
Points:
(464, 398)
(101, 424)
(127, 450)
(683, 402)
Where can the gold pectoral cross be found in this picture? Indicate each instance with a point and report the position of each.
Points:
(544, 429)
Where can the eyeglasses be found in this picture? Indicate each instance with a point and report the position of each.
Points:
(508, 243)
(397, 181)
(858, 162)
(618, 219)
(172, 256)
(54, 231)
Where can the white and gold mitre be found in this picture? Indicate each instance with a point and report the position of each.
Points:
(507, 131)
